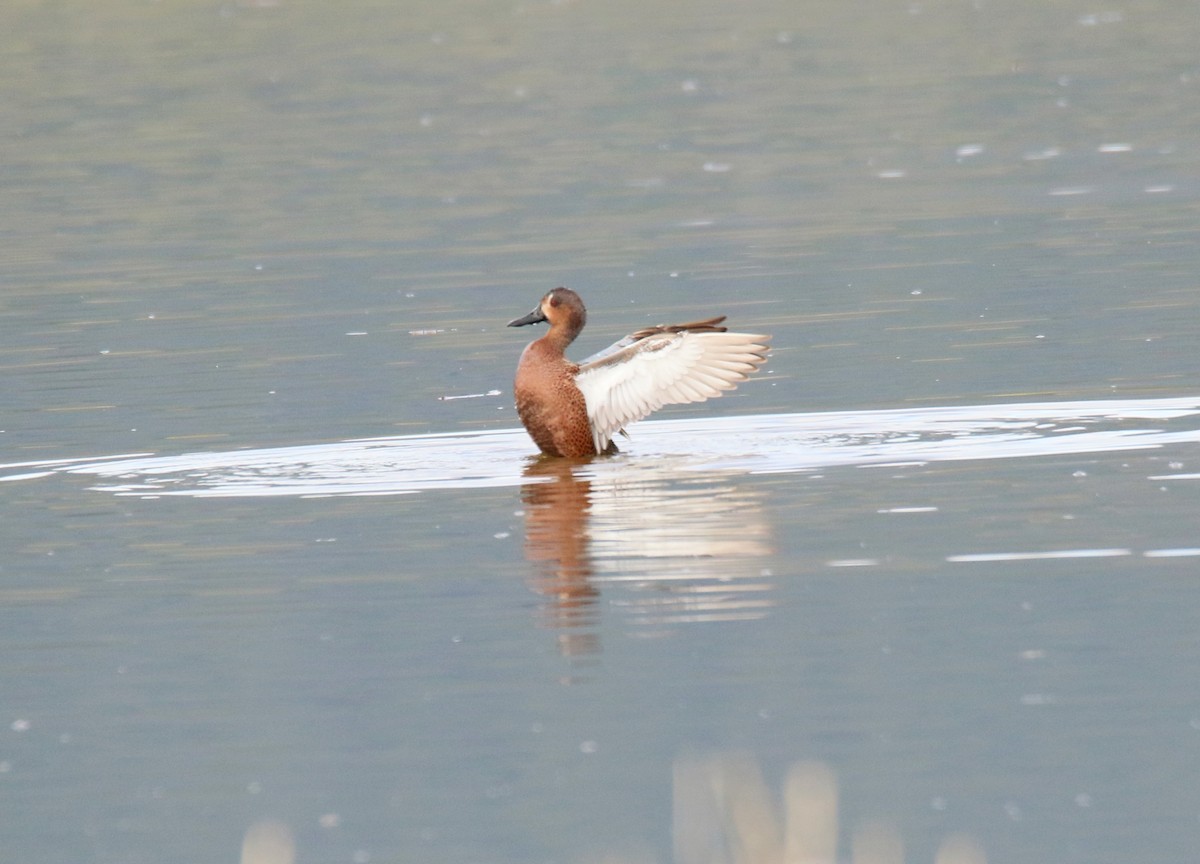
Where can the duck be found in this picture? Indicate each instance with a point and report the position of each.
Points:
(573, 410)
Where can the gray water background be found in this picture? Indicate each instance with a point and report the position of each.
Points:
(244, 226)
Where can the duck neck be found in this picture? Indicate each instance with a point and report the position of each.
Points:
(563, 334)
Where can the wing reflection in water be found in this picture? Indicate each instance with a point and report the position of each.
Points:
(674, 550)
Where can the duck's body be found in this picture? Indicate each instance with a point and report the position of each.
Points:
(574, 409)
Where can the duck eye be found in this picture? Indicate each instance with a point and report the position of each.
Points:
(554, 301)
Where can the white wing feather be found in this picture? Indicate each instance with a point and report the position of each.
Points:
(664, 369)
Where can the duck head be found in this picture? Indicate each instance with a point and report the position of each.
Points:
(561, 307)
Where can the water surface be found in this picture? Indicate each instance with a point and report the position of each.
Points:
(279, 567)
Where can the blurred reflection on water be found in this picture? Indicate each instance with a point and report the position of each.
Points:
(682, 545)
(724, 813)
(268, 842)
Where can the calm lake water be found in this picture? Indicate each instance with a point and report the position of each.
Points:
(282, 581)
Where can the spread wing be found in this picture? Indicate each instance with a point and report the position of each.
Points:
(667, 366)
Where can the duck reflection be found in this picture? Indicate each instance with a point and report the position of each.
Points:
(676, 549)
(556, 542)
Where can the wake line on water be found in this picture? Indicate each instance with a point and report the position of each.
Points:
(758, 444)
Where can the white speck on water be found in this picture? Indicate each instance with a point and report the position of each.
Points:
(1041, 155)
(968, 150)
(717, 167)
(853, 562)
(1037, 699)
(1066, 191)
(1080, 473)
(1172, 553)
(1159, 189)
(674, 274)
(501, 535)
(357, 333)
(468, 396)
(892, 174)
(1119, 147)
(329, 820)
(1096, 19)
(689, 85)
(20, 725)
(588, 747)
